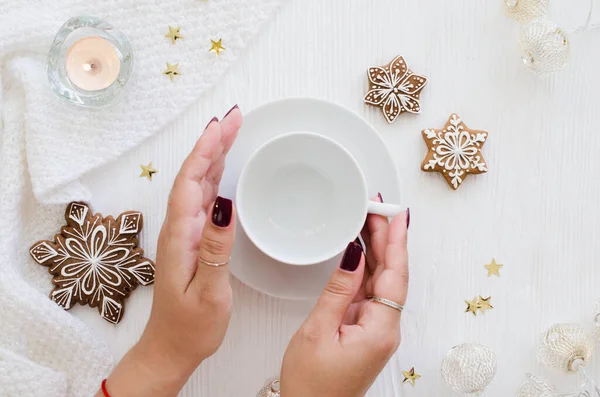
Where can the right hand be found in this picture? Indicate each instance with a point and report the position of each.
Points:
(347, 339)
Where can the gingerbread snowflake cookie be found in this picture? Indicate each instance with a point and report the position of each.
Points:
(455, 151)
(395, 89)
(95, 261)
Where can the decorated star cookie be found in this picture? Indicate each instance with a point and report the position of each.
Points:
(395, 89)
(454, 151)
(95, 261)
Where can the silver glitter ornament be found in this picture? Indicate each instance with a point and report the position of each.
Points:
(567, 347)
(538, 387)
(270, 389)
(545, 47)
(597, 321)
(526, 10)
(469, 368)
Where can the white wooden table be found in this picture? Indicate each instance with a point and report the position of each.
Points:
(536, 211)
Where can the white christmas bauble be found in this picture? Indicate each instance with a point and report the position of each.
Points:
(526, 10)
(565, 346)
(544, 47)
(539, 387)
(469, 368)
(271, 389)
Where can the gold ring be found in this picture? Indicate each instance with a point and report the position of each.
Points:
(386, 302)
(213, 264)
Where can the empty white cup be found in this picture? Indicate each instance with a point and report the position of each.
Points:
(301, 198)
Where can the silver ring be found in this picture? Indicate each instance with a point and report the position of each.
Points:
(386, 302)
(213, 264)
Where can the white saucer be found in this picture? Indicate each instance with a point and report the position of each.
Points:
(248, 263)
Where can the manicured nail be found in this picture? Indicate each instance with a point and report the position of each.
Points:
(407, 218)
(380, 198)
(221, 215)
(352, 257)
(211, 121)
(231, 110)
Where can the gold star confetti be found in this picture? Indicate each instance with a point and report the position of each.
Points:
(174, 34)
(493, 268)
(410, 376)
(147, 171)
(472, 306)
(216, 46)
(484, 304)
(172, 70)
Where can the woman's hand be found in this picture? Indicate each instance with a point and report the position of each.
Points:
(192, 299)
(347, 339)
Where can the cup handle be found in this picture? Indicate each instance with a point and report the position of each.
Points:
(384, 209)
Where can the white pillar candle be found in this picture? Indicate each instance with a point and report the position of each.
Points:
(92, 63)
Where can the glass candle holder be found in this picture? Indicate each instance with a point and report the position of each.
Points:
(89, 62)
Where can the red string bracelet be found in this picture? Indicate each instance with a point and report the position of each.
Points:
(104, 391)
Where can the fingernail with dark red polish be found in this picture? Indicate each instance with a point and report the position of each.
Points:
(407, 218)
(211, 121)
(352, 257)
(230, 110)
(221, 215)
(380, 198)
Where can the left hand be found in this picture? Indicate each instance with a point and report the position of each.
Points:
(192, 300)
(347, 339)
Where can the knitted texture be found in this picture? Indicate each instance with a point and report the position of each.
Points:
(47, 144)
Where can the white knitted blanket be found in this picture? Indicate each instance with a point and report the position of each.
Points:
(47, 144)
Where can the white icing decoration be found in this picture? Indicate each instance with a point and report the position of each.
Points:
(456, 150)
(111, 310)
(130, 223)
(395, 89)
(64, 297)
(42, 251)
(430, 134)
(78, 212)
(143, 272)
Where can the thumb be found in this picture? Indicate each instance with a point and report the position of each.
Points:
(339, 293)
(212, 272)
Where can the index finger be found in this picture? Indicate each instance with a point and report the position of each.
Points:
(392, 283)
(396, 253)
(187, 190)
(376, 232)
(230, 125)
